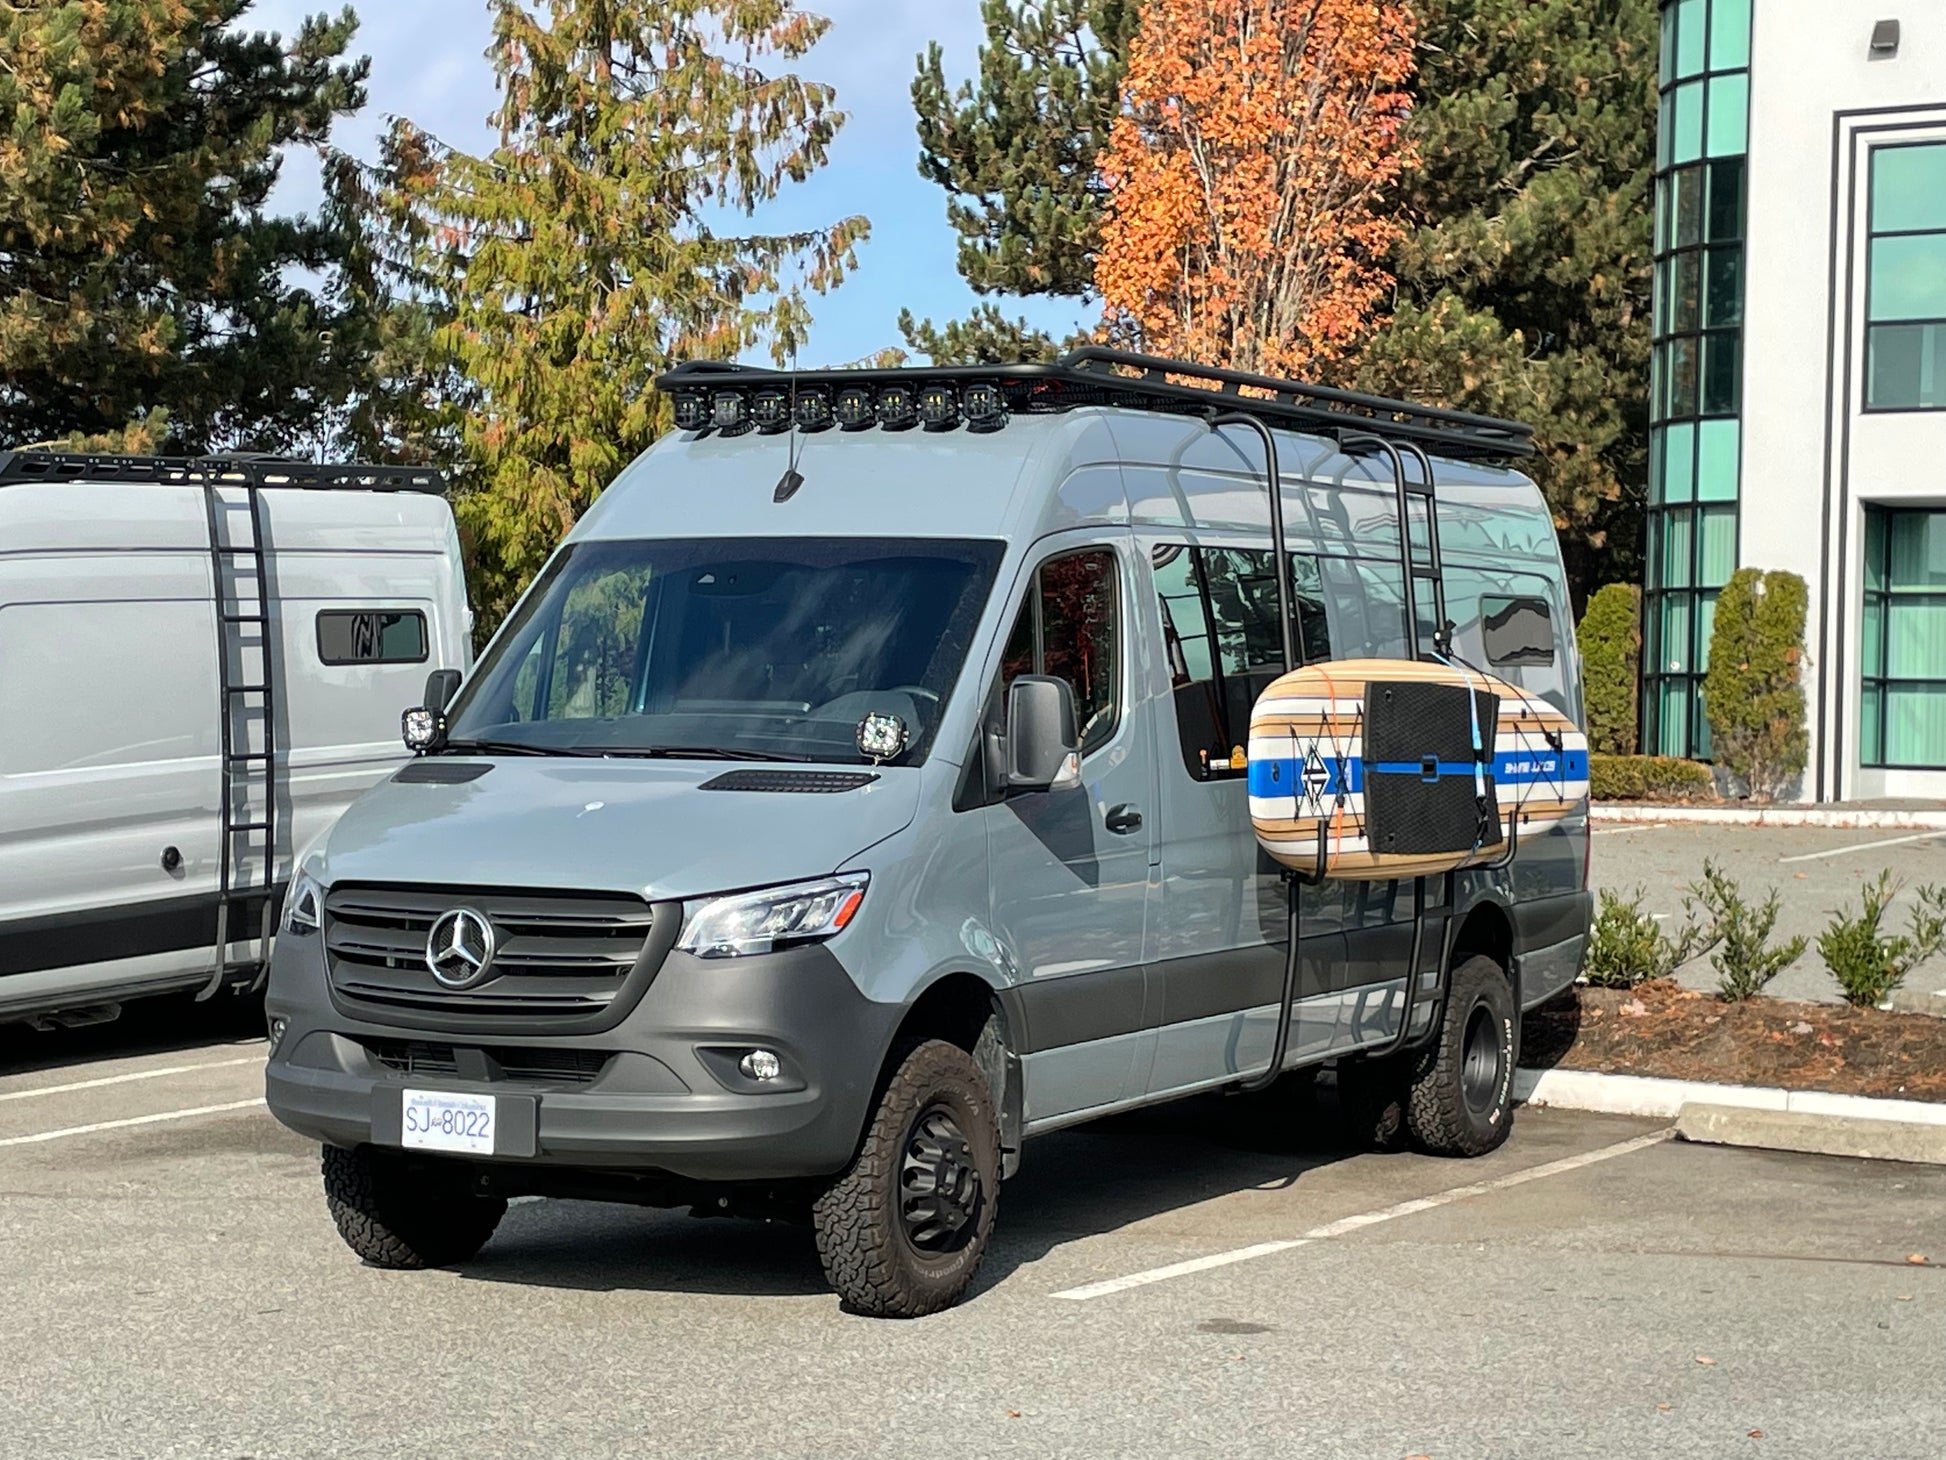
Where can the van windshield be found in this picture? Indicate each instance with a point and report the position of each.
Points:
(729, 648)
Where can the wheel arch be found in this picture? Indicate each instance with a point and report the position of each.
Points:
(967, 1010)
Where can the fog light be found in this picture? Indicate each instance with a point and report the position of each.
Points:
(277, 1028)
(760, 1065)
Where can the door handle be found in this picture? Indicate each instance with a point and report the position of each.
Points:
(1123, 819)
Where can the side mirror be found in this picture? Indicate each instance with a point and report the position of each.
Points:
(423, 727)
(1043, 744)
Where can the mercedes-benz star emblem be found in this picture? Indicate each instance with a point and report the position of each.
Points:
(459, 949)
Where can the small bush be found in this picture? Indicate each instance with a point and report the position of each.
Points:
(1648, 778)
(1753, 692)
(1610, 639)
(1867, 964)
(1744, 959)
(1627, 947)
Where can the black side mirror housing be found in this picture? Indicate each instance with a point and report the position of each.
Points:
(1043, 741)
(441, 686)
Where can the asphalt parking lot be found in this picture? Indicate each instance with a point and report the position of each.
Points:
(1816, 870)
(1200, 1280)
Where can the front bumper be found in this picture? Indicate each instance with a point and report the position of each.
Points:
(667, 1097)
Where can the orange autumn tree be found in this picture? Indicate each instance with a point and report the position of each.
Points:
(1245, 224)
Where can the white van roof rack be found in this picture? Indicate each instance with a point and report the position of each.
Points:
(241, 470)
(1091, 376)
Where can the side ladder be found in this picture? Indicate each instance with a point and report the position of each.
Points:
(246, 693)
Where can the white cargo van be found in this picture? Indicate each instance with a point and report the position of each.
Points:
(201, 664)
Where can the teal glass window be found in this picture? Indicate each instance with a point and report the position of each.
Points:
(1905, 286)
(1729, 35)
(1692, 21)
(1686, 141)
(1729, 116)
(1903, 640)
(1717, 445)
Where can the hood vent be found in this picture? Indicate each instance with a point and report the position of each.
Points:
(441, 772)
(815, 782)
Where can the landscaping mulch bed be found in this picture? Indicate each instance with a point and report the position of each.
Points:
(1665, 1030)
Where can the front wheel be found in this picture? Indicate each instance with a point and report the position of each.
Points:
(396, 1215)
(1461, 1100)
(902, 1231)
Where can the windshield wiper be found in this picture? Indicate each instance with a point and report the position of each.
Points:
(711, 752)
(510, 747)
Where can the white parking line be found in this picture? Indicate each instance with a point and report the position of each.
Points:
(254, 1059)
(101, 1125)
(1636, 826)
(1363, 1219)
(1894, 841)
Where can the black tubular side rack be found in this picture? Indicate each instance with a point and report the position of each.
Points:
(20, 468)
(1097, 376)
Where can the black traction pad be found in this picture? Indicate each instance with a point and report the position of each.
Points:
(1422, 782)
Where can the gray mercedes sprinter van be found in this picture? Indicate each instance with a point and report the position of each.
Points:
(858, 792)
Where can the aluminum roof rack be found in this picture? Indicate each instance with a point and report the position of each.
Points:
(243, 470)
(1095, 375)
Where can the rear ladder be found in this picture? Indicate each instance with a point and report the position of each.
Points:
(246, 690)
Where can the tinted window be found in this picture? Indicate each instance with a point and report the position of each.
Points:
(1219, 634)
(1517, 630)
(751, 646)
(1068, 626)
(372, 636)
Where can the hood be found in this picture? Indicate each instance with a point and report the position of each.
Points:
(616, 825)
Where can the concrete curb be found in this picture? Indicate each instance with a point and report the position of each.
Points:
(1609, 811)
(1753, 1115)
(1820, 1135)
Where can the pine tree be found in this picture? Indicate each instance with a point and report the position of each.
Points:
(1016, 153)
(1245, 225)
(581, 256)
(1524, 279)
(142, 284)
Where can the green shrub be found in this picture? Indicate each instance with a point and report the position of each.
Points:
(1610, 638)
(1628, 947)
(1744, 959)
(1648, 778)
(1867, 964)
(1753, 693)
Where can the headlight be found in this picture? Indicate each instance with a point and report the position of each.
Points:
(777, 917)
(304, 905)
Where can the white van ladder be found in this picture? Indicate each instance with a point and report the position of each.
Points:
(246, 688)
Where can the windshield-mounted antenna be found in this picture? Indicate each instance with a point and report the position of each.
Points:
(790, 481)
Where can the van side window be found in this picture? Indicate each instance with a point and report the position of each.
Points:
(1517, 630)
(1219, 633)
(1069, 627)
(372, 636)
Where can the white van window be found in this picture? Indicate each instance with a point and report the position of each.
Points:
(1069, 627)
(1517, 630)
(371, 636)
(1219, 632)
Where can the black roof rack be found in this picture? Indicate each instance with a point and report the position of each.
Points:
(247, 470)
(1096, 375)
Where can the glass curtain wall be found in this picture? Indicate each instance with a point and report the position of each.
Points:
(1695, 440)
(1904, 705)
(1905, 281)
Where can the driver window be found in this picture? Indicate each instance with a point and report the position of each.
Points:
(1069, 627)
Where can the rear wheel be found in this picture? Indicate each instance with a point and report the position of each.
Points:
(1462, 1095)
(902, 1232)
(396, 1215)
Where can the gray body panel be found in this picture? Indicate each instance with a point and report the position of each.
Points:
(1126, 968)
(110, 720)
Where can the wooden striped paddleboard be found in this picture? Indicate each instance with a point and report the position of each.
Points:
(1378, 756)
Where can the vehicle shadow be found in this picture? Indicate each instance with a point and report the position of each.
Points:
(1548, 1032)
(146, 1026)
(1075, 1184)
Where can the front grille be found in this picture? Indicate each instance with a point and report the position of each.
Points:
(558, 955)
(552, 1066)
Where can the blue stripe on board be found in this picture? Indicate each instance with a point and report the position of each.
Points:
(1281, 777)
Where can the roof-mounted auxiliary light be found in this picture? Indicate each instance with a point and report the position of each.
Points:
(692, 411)
(938, 407)
(813, 410)
(728, 411)
(984, 406)
(853, 408)
(896, 411)
(771, 410)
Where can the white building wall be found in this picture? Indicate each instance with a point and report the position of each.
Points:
(1811, 456)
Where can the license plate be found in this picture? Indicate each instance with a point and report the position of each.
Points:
(440, 1120)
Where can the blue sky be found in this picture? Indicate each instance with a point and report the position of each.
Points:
(428, 63)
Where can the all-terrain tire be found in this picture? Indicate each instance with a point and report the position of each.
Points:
(870, 1255)
(399, 1216)
(1461, 1100)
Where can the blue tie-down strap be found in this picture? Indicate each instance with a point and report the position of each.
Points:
(1346, 774)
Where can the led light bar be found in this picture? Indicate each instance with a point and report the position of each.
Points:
(896, 406)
